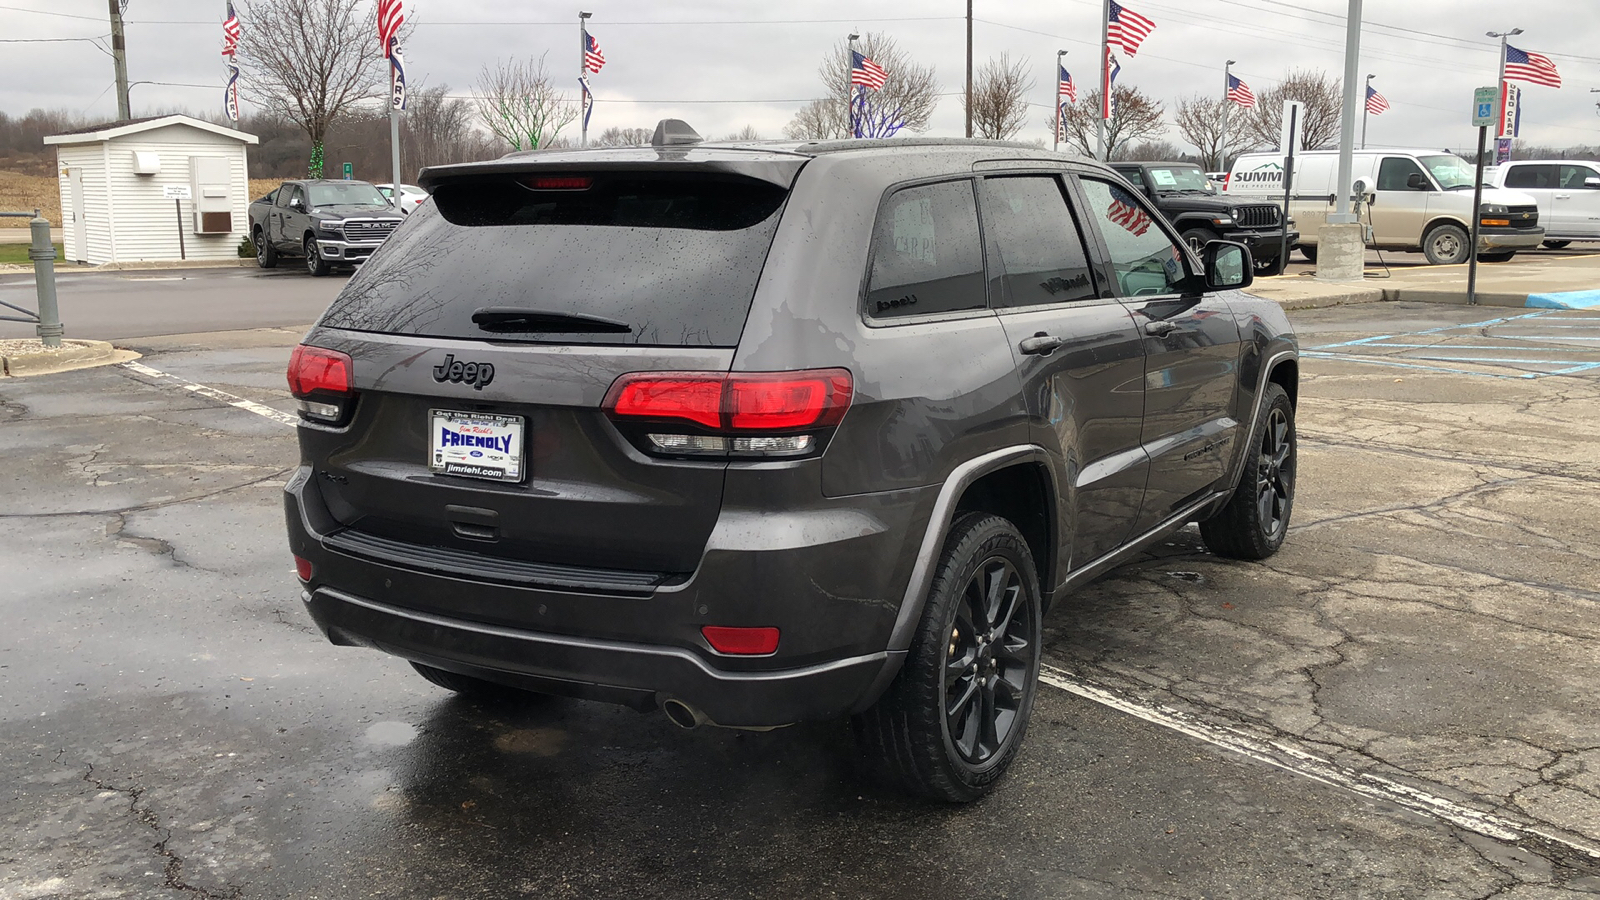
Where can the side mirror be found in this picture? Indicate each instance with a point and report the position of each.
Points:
(1592, 183)
(297, 204)
(1417, 182)
(1228, 266)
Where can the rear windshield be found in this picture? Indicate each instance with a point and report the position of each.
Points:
(675, 258)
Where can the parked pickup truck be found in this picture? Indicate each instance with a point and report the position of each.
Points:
(328, 223)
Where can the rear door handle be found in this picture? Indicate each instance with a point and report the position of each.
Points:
(1041, 344)
(1159, 328)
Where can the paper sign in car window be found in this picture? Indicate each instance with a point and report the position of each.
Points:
(914, 235)
(1164, 177)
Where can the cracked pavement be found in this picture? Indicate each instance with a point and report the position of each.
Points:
(172, 726)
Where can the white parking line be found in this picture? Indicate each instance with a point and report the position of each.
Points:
(266, 412)
(1310, 765)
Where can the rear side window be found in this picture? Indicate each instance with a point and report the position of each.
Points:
(674, 257)
(1036, 254)
(926, 254)
(1537, 177)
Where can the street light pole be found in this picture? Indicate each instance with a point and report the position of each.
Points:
(1056, 146)
(1366, 110)
(1341, 243)
(854, 91)
(119, 58)
(1500, 83)
(583, 75)
(1105, 82)
(1227, 107)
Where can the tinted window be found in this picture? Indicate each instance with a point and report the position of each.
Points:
(1134, 176)
(1574, 177)
(1395, 172)
(1146, 261)
(346, 193)
(1036, 254)
(1539, 177)
(926, 257)
(675, 258)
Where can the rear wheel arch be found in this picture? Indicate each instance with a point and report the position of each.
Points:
(1024, 494)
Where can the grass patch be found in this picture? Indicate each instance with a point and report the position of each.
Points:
(17, 255)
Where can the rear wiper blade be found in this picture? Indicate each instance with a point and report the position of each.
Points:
(511, 319)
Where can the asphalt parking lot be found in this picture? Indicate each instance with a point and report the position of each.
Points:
(1400, 704)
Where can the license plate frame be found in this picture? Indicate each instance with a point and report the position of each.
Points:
(490, 445)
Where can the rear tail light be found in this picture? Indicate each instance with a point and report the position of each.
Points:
(320, 379)
(732, 414)
(302, 568)
(741, 641)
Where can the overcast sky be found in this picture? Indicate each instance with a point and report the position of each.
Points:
(759, 59)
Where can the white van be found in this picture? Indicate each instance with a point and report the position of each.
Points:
(1422, 200)
(1567, 191)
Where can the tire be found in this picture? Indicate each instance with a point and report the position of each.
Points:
(1557, 245)
(1270, 269)
(266, 254)
(463, 684)
(1197, 238)
(1309, 252)
(1501, 257)
(1255, 520)
(315, 264)
(985, 576)
(1446, 245)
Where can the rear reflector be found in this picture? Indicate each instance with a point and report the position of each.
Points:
(735, 402)
(318, 370)
(741, 641)
(302, 568)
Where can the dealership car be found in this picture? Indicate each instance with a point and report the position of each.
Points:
(1567, 191)
(755, 434)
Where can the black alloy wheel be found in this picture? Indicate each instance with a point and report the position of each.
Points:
(1275, 474)
(988, 661)
(315, 264)
(266, 254)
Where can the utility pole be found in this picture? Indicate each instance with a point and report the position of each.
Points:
(583, 78)
(1057, 136)
(1366, 110)
(119, 55)
(1227, 107)
(969, 68)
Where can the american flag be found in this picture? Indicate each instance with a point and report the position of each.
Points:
(1108, 103)
(391, 15)
(1128, 29)
(1126, 212)
(867, 73)
(1377, 104)
(231, 32)
(1533, 67)
(1240, 93)
(1066, 88)
(593, 59)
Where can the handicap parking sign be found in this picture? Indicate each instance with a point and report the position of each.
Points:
(1483, 100)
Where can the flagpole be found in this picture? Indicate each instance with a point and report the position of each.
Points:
(851, 89)
(1105, 79)
(1504, 37)
(583, 72)
(1227, 107)
(1366, 110)
(1056, 146)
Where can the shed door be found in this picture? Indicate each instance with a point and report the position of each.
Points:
(80, 233)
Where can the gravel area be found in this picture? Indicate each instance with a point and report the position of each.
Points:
(31, 345)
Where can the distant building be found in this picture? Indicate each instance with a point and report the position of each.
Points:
(123, 187)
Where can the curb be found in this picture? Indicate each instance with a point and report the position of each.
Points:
(79, 355)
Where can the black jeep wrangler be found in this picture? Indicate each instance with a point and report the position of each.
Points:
(1186, 197)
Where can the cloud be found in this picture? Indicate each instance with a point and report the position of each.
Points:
(1428, 55)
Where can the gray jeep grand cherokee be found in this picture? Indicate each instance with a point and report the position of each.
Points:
(764, 433)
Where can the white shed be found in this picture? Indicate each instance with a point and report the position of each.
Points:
(162, 188)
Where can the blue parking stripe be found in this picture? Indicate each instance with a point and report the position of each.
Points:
(1383, 337)
(1346, 357)
(1486, 347)
(1565, 300)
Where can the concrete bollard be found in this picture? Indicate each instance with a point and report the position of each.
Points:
(43, 254)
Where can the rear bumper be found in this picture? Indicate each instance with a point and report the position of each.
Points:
(1509, 239)
(829, 578)
(638, 675)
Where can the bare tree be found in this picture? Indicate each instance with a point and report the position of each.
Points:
(622, 137)
(906, 101)
(1136, 117)
(437, 129)
(747, 133)
(1000, 97)
(1323, 97)
(519, 104)
(1153, 151)
(1200, 121)
(311, 61)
